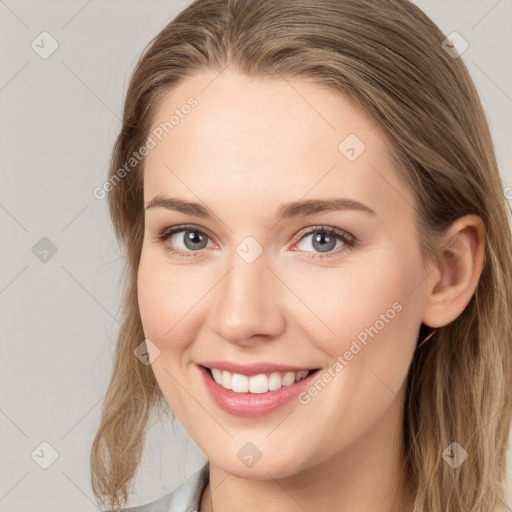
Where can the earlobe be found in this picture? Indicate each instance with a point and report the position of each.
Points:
(454, 279)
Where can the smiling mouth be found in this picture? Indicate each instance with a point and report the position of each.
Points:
(259, 383)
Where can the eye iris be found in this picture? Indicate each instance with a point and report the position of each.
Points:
(322, 236)
(192, 238)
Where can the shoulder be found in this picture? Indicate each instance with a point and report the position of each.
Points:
(185, 498)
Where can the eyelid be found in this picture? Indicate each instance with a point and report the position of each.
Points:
(347, 238)
(166, 232)
(326, 228)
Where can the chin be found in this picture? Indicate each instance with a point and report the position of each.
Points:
(249, 463)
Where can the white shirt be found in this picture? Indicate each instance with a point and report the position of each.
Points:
(185, 498)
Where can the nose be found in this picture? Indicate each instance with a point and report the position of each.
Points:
(248, 303)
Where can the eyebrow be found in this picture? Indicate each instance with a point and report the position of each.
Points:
(287, 210)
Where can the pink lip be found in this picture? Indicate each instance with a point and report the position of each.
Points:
(252, 369)
(252, 404)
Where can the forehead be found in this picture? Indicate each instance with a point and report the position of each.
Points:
(278, 138)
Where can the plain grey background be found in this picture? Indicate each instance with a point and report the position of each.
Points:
(60, 117)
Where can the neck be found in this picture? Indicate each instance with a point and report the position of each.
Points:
(368, 475)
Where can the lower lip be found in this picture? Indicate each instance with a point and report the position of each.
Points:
(252, 404)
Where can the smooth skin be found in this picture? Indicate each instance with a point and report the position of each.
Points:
(249, 146)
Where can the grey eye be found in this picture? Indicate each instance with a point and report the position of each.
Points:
(193, 240)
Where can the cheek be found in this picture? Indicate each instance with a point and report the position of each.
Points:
(153, 303)
(160, 302)
(169, 298)
(374, 307)
(163, 312)
(373, 317)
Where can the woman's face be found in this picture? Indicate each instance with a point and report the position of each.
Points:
(255, 282)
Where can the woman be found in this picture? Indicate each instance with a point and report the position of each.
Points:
(319, 264)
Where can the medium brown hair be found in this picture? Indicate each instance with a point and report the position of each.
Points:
(388, 56)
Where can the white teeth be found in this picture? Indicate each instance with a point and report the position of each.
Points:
(260, 383)
(217, 374)
(274, 382)
(289, 378)
(226, 380)
(239, 383)
(301, 375)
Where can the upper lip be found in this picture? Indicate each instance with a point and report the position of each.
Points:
(253, 368)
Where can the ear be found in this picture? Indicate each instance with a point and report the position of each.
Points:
(453, 280)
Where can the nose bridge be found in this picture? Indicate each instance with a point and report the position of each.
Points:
(248, 301)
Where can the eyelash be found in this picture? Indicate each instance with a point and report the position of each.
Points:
(349, 240)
